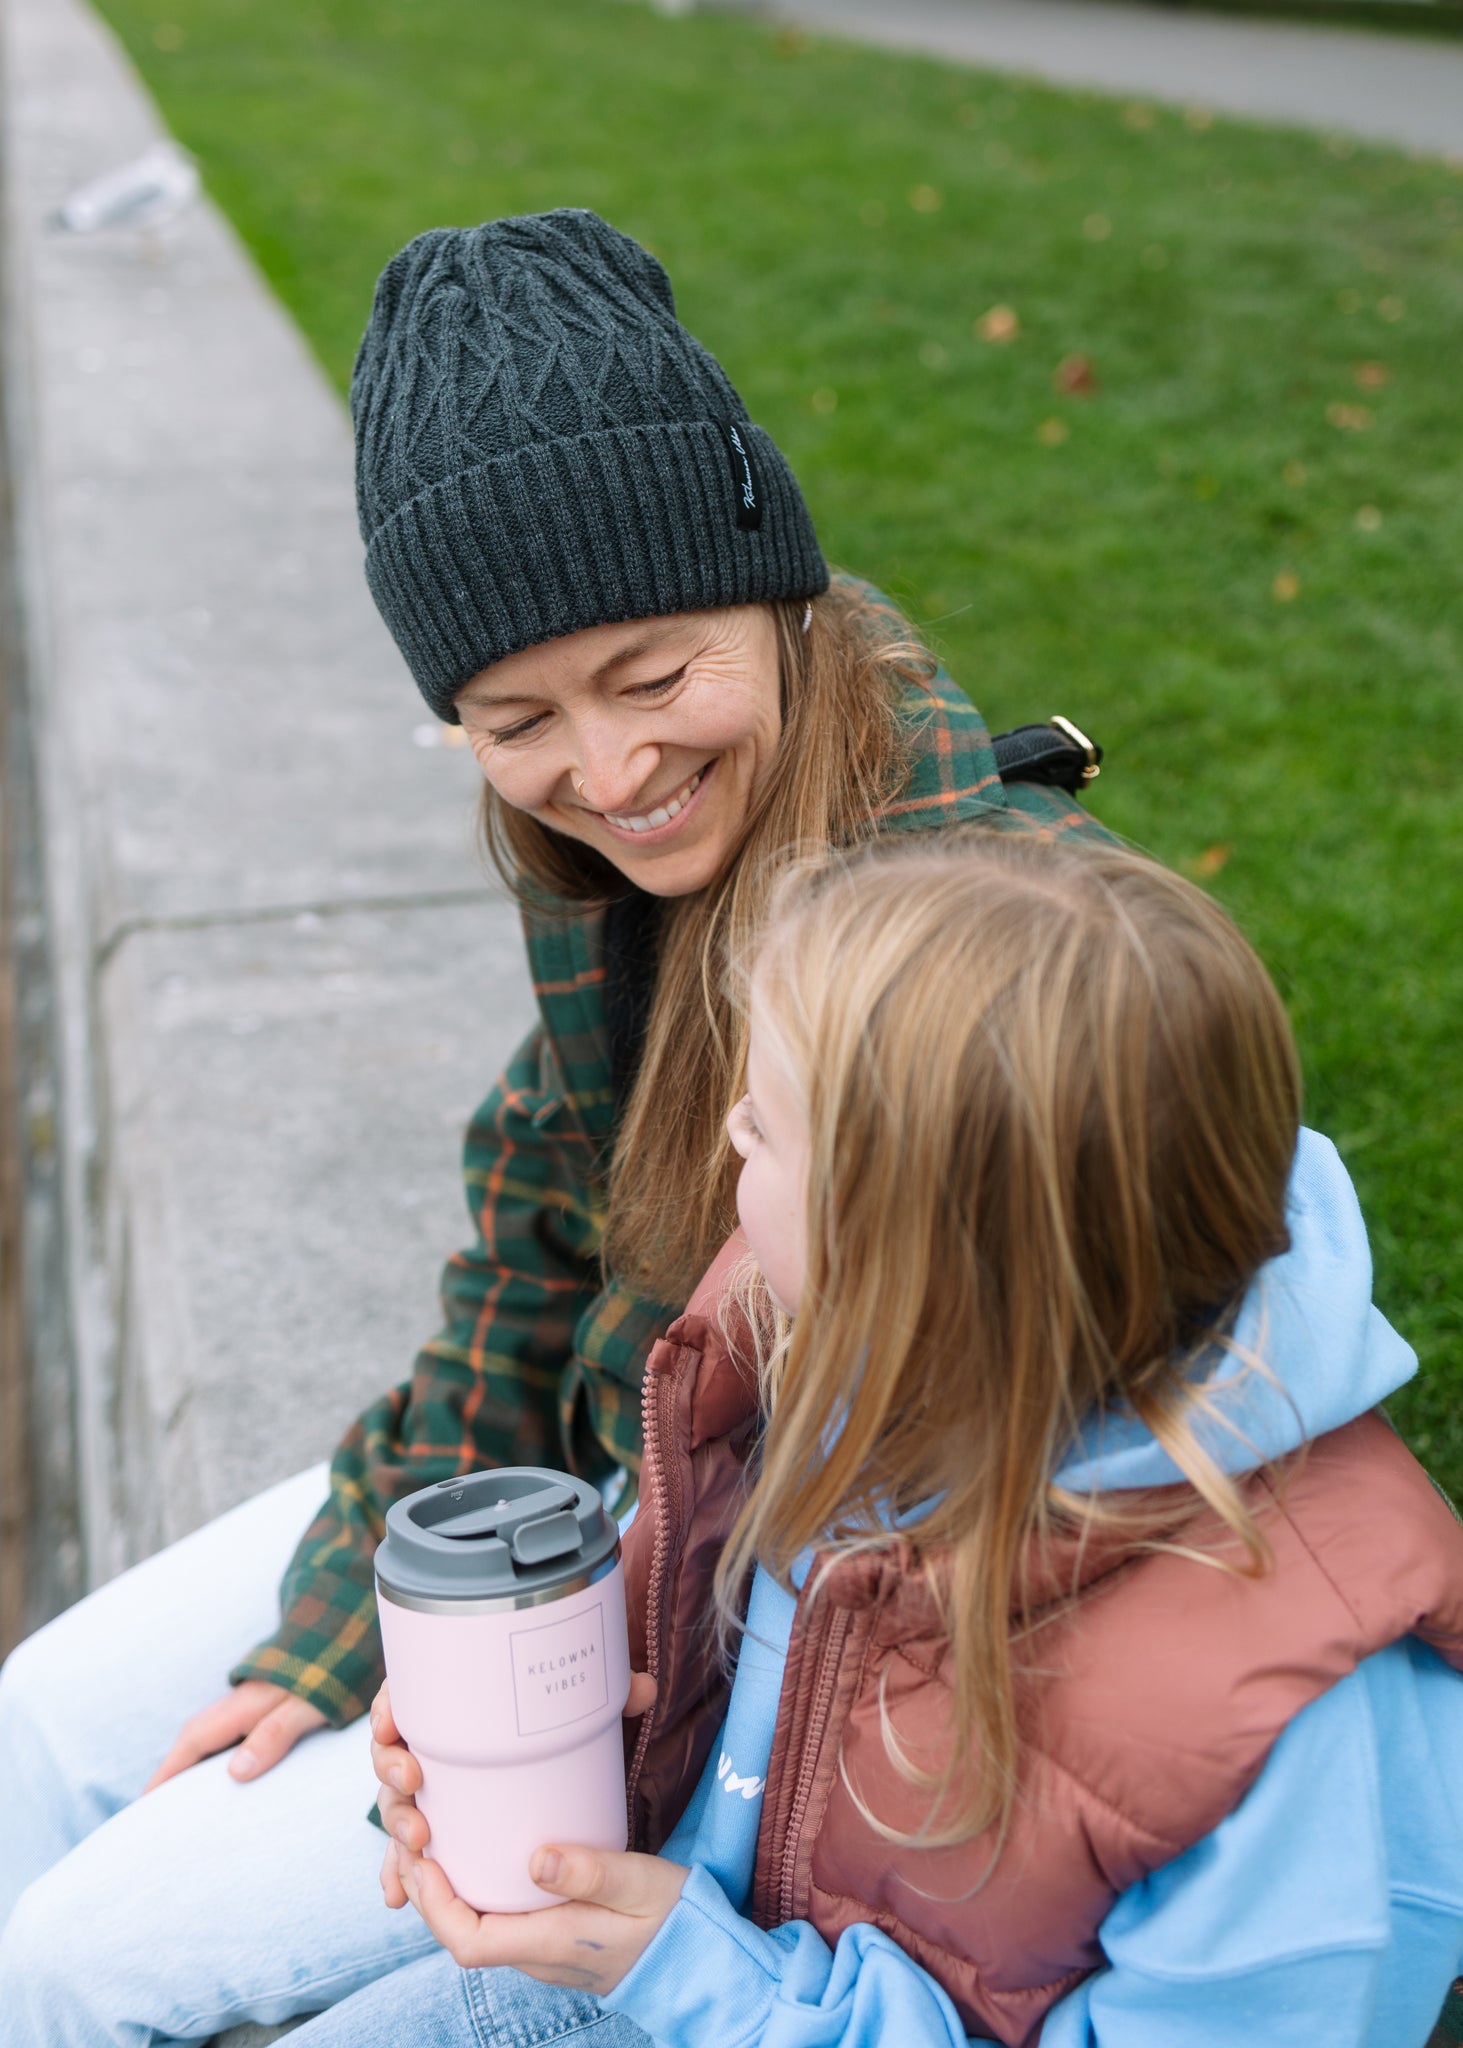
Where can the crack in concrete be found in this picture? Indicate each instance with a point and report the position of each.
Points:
(277, 913)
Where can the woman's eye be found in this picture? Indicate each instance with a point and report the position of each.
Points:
(660, 686)
(520, 731)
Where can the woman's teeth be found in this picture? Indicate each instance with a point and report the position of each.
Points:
(662, 814)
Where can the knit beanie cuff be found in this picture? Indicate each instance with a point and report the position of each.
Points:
(630, 522)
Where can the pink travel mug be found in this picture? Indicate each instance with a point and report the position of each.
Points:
(502, 1604)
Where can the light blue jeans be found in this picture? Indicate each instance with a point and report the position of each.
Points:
(433, 2004)
(131, 1923)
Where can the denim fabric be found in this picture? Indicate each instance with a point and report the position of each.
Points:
(133, 1923)
(433, 2004)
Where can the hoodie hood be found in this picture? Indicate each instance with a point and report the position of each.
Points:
(1309, 1350)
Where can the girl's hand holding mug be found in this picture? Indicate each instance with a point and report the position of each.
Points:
(619, 1899)
(615, 1905)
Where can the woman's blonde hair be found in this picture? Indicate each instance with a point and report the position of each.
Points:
(1053, 1101)
(840, 761)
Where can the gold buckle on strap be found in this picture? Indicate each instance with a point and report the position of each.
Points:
(1091, 769)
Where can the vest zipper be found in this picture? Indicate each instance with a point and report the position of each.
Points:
(829, 1657)
(657, 1416)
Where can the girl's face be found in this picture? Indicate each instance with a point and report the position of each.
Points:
(647, 740)
(769, 1128)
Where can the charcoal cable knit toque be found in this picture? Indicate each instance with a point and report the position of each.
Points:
(541, 446)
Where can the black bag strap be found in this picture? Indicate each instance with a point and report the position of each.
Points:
(1057, 753)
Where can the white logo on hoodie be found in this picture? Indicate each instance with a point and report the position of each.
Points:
(730, 1782)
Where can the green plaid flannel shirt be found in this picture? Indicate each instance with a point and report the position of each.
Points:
(541, 1357)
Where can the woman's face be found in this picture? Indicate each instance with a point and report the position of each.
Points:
(647, 741)
(769, 1128)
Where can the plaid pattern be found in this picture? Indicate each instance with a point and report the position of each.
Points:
(540, 1360)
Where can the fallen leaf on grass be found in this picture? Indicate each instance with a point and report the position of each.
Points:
(1368, 518)
(1351, 419)
(1286, 587)
(1295, 474)
(926, 199)
(1138, 117)
(1000, 324)
(1392, 308)
(1076, 375)
(1212, 859)
(825, 399)
(1372, 376)
(1097, 227)
(1052, 433)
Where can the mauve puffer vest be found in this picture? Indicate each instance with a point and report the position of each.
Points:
(1148, 1707)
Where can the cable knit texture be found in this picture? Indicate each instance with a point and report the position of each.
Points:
(541, 446)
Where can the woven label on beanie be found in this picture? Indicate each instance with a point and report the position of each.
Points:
(744, 478)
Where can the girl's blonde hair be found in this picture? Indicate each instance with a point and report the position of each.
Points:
(1053, 1101)
(672, 1177)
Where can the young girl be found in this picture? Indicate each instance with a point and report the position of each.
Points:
(1099, 1678)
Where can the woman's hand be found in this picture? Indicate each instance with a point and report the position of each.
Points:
(617, 1904)
(264, 1719)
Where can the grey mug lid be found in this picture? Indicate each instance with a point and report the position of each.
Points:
(521, 1529)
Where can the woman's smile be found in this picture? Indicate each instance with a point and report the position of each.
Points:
(659, 820)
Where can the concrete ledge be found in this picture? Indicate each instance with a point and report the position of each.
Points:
(283, 979)
(279, 980)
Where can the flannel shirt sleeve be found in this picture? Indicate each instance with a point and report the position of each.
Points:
(1054, 811)
(484, 1391)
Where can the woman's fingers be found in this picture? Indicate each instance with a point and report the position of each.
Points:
(229, 1720)
(274, 1736)
(202, 1735)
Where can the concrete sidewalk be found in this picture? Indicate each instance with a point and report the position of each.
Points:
(281, 980)
(1399, 89)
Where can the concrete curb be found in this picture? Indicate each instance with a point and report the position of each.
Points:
(257, 874)
(279, 981)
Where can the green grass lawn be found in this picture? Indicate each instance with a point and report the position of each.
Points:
(1236, 560)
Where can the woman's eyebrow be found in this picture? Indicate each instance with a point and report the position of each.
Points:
(486, 699)
(637, 649)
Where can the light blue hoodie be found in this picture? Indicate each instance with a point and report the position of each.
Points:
(1328, 1907)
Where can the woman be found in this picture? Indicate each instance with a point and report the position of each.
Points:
(606, 574)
